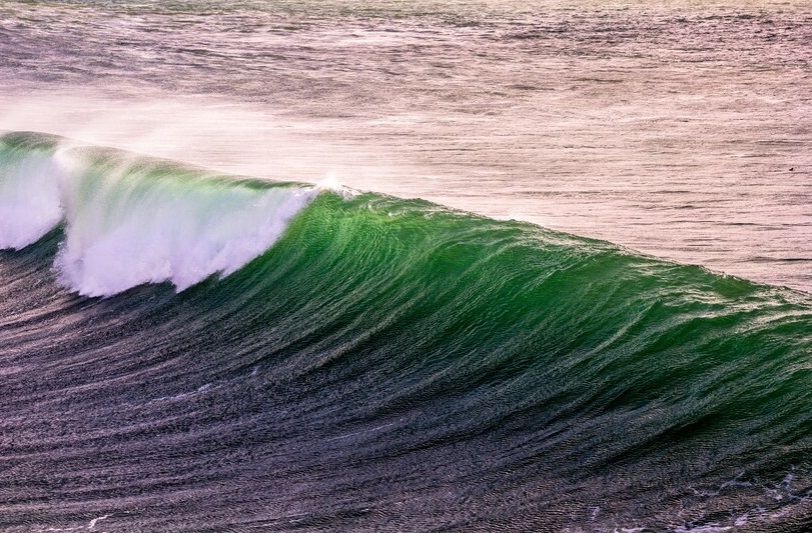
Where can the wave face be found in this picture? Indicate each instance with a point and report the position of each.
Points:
(382, 365)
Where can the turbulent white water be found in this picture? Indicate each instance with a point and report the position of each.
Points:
(676, 128)
(129, 220)
(29, 200)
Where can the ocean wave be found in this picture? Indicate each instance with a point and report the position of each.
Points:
(376, 363)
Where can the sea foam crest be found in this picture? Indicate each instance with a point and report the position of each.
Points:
(29, 193)
(130, 220)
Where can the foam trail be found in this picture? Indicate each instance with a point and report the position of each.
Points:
(131, 220)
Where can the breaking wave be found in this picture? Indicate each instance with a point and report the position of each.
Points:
(372, 363)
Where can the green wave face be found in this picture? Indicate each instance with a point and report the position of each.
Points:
(583, 372)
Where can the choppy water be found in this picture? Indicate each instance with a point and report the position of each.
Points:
(340, 360)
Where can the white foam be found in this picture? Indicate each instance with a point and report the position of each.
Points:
(130, 221)
(156, 232)
(92, 523)
(332, 184)
(29, 199)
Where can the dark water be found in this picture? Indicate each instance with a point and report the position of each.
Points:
(389, 365)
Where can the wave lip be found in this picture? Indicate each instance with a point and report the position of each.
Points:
(131, 220)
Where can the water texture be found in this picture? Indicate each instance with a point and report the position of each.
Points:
(259, 273)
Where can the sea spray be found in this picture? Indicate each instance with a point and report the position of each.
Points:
(29, 188)
(131, 220)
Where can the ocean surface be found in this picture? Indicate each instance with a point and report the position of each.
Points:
(481, 265)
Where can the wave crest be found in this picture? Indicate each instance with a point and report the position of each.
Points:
(131, 220)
